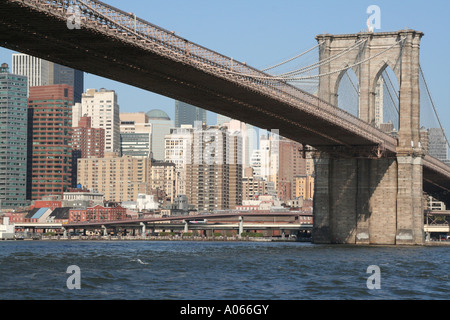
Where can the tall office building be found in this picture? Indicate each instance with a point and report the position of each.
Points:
(50, 140)
(35, 69)
(214, 175)
(72, 77)
(103, 108)
(161, 125)
(42, 73)
(188, 114)
(13, 139)
(249, 139)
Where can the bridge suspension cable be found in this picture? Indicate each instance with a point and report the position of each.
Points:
(320, 63)
(285, 79)
(432, 104)
(394, 102)
(352, 83)
(293, 58)
(347, 67)
(392, 85)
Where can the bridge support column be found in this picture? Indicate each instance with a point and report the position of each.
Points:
(410, 206)
(105, 232)
(241, 226)
(143, 229)
(368, 201)
(186, 226)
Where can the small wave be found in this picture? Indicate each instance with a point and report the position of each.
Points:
(139, 261)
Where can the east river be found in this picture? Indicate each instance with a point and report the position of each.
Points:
(166, 270)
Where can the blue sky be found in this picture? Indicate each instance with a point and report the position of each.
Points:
(263, 33)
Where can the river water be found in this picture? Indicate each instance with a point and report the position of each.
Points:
(165, 270)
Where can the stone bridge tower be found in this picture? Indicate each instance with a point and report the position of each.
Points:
(372, 201)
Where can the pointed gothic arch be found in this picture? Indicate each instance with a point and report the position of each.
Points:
(348, 91)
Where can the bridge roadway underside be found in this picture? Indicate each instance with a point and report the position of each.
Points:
(98, 52)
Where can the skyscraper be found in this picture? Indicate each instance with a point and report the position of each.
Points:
(50, 140)
(72, 77)
(42, 73)
(214, 175)
(103, 108)
(35, 69)
(13, 138)
(188, 114)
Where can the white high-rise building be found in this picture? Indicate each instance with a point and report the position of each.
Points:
(265, 161)
(249, 139)
(103, 108)
(37, 71)
(178, 150)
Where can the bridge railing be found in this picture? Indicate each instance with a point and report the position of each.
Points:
(129, 25)
(436, 165)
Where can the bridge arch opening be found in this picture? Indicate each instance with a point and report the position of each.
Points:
(348, 93)
(386, 99)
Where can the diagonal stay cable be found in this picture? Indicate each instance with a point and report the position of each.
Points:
(293, 58)
(320, 63)
(432, 104)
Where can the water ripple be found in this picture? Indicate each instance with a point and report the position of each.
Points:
(218, 270)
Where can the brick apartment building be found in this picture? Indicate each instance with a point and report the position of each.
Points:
(49, 140)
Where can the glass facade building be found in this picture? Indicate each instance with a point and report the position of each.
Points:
(13, 138)
(72, 77)
(188, 114)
